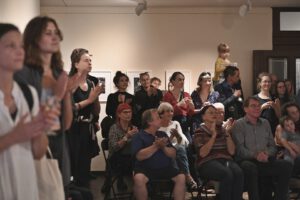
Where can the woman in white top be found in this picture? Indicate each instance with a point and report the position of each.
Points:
(21, 129)
(178, 139)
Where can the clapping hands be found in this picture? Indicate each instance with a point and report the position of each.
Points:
(174, 133)
(161, 142)
(132, 131)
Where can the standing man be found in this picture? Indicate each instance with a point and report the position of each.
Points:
(255, 150)
(231, 94)
(154, 155)
(147, 96)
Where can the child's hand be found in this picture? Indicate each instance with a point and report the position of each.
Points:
(237, 93)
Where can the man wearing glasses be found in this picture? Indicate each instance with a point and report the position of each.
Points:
(255, 152)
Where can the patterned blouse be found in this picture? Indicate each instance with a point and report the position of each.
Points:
(116, 133)
(212, 98)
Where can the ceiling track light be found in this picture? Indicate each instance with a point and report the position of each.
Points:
(142, 5)
(245, 8)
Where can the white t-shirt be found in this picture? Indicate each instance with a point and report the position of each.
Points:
(17, 171)
(175, 125)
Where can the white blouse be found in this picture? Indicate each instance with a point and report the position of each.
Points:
(175, 125)
(17, 171)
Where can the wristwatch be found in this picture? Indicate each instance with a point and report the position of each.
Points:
(125, 138)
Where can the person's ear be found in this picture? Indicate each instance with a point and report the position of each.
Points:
(76, 65)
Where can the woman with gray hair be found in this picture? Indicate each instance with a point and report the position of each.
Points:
(177, 138)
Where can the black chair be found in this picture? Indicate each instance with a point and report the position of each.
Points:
(295, 188)
(159, 189)
(112, 176)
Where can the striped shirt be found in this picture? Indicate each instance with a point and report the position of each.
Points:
(219, 148)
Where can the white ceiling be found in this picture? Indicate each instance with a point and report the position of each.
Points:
(171, 3)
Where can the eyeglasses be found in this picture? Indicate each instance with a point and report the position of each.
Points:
(254, 106)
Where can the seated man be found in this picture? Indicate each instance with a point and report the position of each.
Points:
(255, 151)
(154, 156)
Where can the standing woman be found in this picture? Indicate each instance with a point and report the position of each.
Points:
(281, 92)
(270, 107)
(290, 89)
(44, 71)
(203, 96)
(22, 136)
(120, 96)
(181, 102)
(82, 135)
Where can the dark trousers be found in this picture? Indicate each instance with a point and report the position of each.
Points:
(296, 170)
(80, 150)
(259, 179)
(228, 173)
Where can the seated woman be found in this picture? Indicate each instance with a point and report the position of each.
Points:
(178, 139)
(119, 145)
(215, 150)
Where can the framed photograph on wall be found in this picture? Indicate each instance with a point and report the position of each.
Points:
(104, 77)
(134, 80)
(187, 79)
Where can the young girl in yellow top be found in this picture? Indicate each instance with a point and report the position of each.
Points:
(221, 63)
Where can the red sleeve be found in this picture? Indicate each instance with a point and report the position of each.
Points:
(190, 112)
(168, 97)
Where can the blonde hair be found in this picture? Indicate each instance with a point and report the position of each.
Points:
(163, 107)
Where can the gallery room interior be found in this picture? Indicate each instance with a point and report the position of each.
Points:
(164, 36)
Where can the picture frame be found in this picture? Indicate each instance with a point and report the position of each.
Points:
(104, 77)
(134, 80)
(187, 79)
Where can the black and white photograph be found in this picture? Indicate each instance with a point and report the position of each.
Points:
(134, 80)
(104, 78)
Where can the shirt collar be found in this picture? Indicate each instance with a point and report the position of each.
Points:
(259, 120)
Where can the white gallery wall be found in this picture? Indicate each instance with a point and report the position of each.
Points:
(163, 39)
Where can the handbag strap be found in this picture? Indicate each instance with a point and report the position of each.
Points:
(49, 152)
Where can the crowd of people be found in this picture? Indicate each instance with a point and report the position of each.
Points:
(246, 144)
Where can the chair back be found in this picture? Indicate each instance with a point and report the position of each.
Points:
(105, 124)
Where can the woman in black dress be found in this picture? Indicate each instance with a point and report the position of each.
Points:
(120, 96)
(81, 134)
(270, 107)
